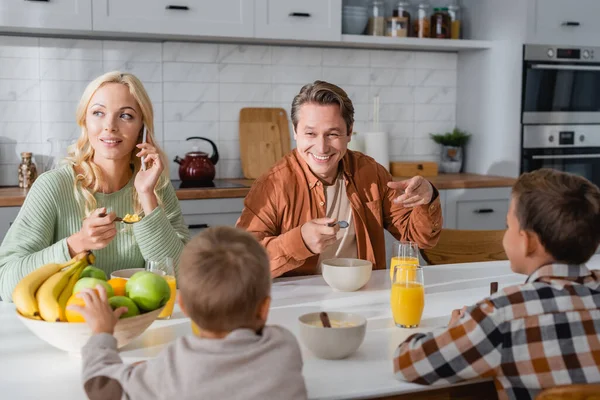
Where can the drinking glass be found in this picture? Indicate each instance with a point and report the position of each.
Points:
(407, 298)
(403, 253)
(165, 269)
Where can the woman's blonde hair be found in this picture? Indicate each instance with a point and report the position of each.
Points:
(88, 176)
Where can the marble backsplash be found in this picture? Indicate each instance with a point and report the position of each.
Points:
(197, 89)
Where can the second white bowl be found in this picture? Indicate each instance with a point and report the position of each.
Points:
(346, 274)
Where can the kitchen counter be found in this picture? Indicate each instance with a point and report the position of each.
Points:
(14, 196)
(365, 374)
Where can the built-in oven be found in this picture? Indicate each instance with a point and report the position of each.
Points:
(561, 85)
(569, 148)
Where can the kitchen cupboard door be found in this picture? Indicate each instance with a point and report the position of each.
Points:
(202, 214)
(223, 18)
(7, 216)
(16, 15)
(476, 209)
(299, 20)
(564, 22)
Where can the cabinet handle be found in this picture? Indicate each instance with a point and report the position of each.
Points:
(40, 1)
(299, 14)
(570, 23)
(180, 8)
(198, 226)
(484, 211)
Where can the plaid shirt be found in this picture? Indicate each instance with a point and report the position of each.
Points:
(543, 333)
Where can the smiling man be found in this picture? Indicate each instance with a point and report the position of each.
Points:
(291, 208)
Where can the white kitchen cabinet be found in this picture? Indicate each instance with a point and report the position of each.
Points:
(201, 214)
(564, 22)
(223, 18)
(7, 216)
(299, 20)
(476, 209)
(17, 15)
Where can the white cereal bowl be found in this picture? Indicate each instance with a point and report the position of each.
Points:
(346, 274)
(72, 336)
(125, 273)
(332, 343)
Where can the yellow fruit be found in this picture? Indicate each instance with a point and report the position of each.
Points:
(74, 316)
(118, 285)
(67, 292)
(49, 292)
(24, 293)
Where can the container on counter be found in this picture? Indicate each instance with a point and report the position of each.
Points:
(27, 170)
(402, 9)
(396, 27)
(440, 23)
(421, 21)
(376, 25)
(454, 12)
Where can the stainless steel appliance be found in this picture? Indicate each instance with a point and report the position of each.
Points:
(561, 85)
(569, 148)
(561, 110)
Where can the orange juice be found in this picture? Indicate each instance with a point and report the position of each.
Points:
(168, 310)
(407, 301)
(405, 261)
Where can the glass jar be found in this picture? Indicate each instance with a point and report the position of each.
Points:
(376, 25)
(396, 27)
(454, 12)
(440, 23)
(402, 10)
(27, 171)
(421, 21)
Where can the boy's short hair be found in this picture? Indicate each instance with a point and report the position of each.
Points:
(563, 210)
(224, 276)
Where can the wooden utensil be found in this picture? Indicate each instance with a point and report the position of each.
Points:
(325, 319)
(264, 139)
(409, 169)
(493, 287)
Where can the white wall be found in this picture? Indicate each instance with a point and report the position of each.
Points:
(198, 89)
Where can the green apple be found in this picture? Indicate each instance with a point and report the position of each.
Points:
(91, 283)
(92, 272)
(122, 301)
(149, 291)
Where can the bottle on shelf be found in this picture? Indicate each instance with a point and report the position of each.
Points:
(421, 28)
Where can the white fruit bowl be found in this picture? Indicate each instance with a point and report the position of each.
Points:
(72, 336)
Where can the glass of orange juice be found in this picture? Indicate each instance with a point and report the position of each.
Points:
(167, 270)
(403, 253)
(407, 297)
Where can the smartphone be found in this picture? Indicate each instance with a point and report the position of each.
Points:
(144, 135)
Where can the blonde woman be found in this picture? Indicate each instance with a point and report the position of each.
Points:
(73, 208)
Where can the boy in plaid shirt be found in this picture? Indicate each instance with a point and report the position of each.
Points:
(543, 333)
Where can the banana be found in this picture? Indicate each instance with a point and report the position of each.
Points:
(24, 293)
(48, 293)
(67, 292)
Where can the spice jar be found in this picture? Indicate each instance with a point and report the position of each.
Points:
(27, 171)
(376, 25)
(454, 12)
(440, 23)
(402, 10)
(421, 22)
(396, 27)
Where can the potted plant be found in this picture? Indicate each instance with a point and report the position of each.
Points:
(452, 144)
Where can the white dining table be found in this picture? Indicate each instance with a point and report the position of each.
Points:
(32, 369)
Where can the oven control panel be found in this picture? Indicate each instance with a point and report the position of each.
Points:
(555, 136)
(561, 54)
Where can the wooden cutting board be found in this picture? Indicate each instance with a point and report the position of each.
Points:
(264, 139)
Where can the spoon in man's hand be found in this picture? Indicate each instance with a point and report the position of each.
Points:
(342, 224)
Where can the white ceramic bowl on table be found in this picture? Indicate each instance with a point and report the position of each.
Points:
(332, 343)
(71, 336)
(346, 274)
(125, 273)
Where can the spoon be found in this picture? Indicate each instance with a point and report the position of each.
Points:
(119, 219)
(342, 224)
(325, 319)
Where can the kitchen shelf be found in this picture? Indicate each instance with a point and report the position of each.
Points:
(394, 43)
